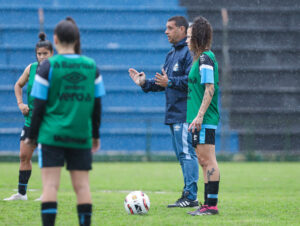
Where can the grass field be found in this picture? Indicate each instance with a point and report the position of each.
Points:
(250, 194)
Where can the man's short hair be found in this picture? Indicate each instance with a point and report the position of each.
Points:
(180, 21)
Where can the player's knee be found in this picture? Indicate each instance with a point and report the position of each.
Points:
(51, 188)
(203, 162)
(24, 157)
(81, 188)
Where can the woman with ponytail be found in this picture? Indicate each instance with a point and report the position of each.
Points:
(66, 120)
(43, 50)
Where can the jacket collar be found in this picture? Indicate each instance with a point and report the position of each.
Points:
(181, 43)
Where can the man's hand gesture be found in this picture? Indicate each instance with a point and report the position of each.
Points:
(161, 79)
(139, 78)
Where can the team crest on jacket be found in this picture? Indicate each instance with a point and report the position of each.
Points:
(176, 67)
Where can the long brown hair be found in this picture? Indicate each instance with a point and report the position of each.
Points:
(201, 38)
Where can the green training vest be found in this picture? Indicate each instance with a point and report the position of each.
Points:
(67, 121)
(30, 99)
(196, 93)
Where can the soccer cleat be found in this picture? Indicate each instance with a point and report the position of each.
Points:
(17, 196)
(205, 210)
(184, 201)
(199, 209)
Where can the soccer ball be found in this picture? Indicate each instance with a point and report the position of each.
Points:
(137, 202)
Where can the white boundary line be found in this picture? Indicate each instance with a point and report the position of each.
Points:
(115, 191)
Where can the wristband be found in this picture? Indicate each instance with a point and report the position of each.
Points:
(169, 83)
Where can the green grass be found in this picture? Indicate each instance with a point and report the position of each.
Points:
(250, 194)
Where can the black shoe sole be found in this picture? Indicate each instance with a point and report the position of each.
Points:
(193, 206)
(204, 214)
(178, 206)
(172, 206)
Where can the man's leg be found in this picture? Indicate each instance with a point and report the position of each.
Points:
(189, 158)
(189, 161)
(175, 147)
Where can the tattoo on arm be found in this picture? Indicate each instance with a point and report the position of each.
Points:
(210, 173)
(211, 92)
(208, 95)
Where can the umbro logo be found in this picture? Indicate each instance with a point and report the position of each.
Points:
(56, 65)
(74, 77)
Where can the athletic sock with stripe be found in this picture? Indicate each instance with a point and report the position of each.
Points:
(49, 211)
(24, 176)
(212, 193)
(84, 214)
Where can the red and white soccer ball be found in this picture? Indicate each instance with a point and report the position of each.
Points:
(137, 202)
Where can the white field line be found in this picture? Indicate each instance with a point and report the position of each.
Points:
(127, 191)
(114, 191)
(28, 189)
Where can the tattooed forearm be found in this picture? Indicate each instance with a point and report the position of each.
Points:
(208, 95)
(211, 92)
(210, 173)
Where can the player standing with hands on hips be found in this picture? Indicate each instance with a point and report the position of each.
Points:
(173, 81)
(43, 50)
(66, 120)
(202, 110)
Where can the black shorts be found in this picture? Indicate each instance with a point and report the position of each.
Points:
(24, 133)
(206, 136)
(76, 158)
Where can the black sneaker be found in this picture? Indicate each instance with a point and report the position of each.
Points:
(184, 201)
(175, 204)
